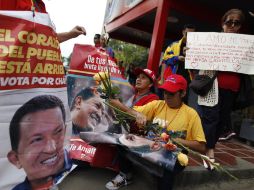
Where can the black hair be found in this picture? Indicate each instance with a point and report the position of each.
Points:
(85, 94)
(192, 26)
(38, 103)
(97, 36)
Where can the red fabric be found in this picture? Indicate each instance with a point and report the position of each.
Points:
(167, 72)
(146, 99)
(22, 5)
(229, 81)
(106, 157)
(174, 83)
(8, 5)
(147, 72)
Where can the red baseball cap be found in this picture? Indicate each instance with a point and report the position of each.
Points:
(174, 83)
(149, 73)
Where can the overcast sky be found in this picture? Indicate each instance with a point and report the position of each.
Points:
(66, 14)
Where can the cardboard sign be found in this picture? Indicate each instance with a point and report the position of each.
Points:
(220, 51)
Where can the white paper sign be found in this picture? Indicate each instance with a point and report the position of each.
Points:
(220, 51)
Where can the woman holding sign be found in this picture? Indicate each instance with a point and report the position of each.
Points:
(216, 106)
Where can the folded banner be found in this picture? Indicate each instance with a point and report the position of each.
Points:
(140, 146)
(33, 102)
(89, 113)
(88, 109)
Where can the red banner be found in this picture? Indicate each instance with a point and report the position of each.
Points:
(88, 60)
(30, 55)
(80, 150)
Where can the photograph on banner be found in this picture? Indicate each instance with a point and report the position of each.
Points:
(34, 114)
(142, 147)
(89, 113)
(95, 125)
(88, 110)
(220, 51)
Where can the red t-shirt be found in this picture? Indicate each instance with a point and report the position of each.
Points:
(145, 99)
(22, 5)
(229, 81)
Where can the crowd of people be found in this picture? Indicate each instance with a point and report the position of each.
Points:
(211, 122)
(204, 127)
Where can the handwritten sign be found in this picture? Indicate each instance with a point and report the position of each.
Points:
(220, 51)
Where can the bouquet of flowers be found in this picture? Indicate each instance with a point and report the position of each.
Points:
(105, 86)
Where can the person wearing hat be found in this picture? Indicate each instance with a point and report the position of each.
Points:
(144, 92)
(144, 87)
(172, 114)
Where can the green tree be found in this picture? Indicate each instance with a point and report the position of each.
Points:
(129, 53)
(66, 60)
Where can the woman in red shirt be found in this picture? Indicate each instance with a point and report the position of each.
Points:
(217, 117)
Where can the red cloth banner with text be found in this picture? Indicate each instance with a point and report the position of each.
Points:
(30, 55)
(88, 60)
(81, 150)
(32, 88)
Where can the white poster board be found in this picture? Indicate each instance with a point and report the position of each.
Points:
(220, 51)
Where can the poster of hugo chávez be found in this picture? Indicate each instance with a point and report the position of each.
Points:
(34, 113)
(94, 122)
(89, 113)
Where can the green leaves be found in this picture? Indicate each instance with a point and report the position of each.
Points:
(108, 90)
(129, 53)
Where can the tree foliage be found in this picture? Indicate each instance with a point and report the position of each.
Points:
(129, 53)
(66, 60)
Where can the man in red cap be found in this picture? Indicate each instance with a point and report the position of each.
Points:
(144, 87)
(171, 114)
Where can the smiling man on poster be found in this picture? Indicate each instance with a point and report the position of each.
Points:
(30, 65)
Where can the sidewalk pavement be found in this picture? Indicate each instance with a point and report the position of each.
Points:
(233, 155)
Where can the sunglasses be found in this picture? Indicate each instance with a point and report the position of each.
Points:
(230, 23)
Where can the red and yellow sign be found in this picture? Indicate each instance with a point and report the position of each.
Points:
(30, 55)
(88, 60)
